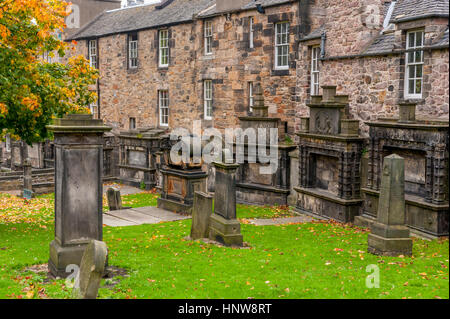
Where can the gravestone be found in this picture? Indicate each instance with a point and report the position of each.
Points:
(27, 180)
(389, 234)
(92, 268)
(114, 199)
(78, 189)
(201, 214)
(224, 227)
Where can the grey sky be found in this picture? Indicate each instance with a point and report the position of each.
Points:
(146, 1)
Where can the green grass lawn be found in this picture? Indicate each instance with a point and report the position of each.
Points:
(314, 260)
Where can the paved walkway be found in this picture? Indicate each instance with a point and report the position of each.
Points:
(140, 216)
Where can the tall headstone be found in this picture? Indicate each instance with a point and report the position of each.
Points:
(389, 234)
(92, 268)
(224, 227)
(78, 189)
(201, 214)
(27, 179)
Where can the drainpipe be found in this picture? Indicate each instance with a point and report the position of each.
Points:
(98, 98)
(323, 39)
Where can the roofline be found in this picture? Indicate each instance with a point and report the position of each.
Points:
(242, 10)
(382, 53)
(129, 31)
(74, 37)
(425, 16)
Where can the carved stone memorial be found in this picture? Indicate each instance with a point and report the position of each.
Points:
(390, 235)
(253, 185)
(330, 151)
(138, 158)
(224, 227)
(78, 189)
(180, 181)
(424, 145)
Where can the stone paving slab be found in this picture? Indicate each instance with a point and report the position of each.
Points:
(112, 221)
(160, 213)
(140, 216)
(282, 221)
(135, 217)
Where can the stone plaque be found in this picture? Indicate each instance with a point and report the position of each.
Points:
(254, 175)
(325, 121)
(175, 186)
(136, 158)
(82, 191)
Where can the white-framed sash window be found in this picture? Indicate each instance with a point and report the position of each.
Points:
(208, 34)
(163, 98)
(414, 64)
(251, 98)
(282, 46)
(93, 53)
(208, 98)
(315, 72)
(133, 51)
(252, 32)
(163, 48)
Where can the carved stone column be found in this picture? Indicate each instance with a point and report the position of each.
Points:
(78, 189)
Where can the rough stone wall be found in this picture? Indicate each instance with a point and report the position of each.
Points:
(375, 84)
(438, 98)
(126, 93)
(351, 24)
(134, 93)
(234, 64)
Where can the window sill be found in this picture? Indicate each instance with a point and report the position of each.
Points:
(133, 70)
(280, 72)
(208, 57)
(418, 99)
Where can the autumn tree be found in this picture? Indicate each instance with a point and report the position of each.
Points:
(33, 90)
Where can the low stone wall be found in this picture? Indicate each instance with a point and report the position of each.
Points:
(43, 181)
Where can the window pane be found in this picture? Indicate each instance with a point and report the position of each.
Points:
(419, 71)
(411, 40)
(418, 86)
(418, 56)
(412, 71)
(411, 87)
(419, 39)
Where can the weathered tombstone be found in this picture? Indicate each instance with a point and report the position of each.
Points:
(114, 199)
(27, 180)
(78, 189)
(224, 227)
(201, 214)
(92, 268)
(390, 235)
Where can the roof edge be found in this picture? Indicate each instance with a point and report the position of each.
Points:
(425, 16)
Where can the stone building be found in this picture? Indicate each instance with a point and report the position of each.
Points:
(194, 60)
(84, 11)
(171, 63)
(379, 53)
